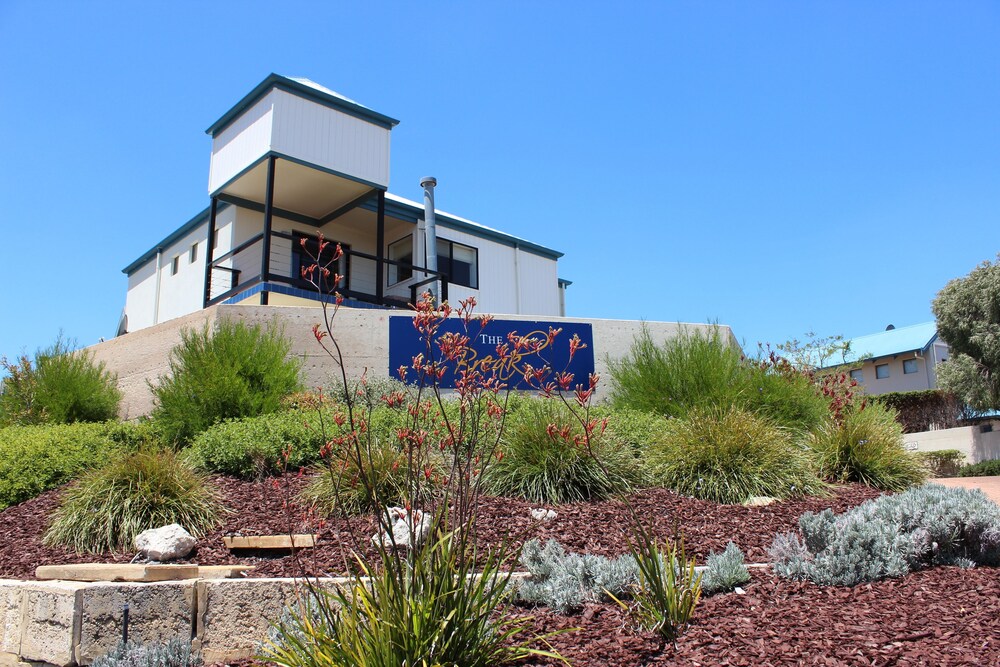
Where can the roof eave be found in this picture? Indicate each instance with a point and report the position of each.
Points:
(302, 90)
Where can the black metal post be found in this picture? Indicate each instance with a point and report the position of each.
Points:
(265, 259)
(380, 250)
(125, 624)
(209, 250)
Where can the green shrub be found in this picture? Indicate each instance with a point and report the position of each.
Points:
(254, 447)
(34, 459)
(108, 507)
(942, 462)
(725, 571)
(565, 582)
(62, 386)
(427, 610)
(175, 653)
(238, 370)
(891, 536)
(982, 469)
(921, 410)
(867, 447)
(730, 456)
(551, 468)
(698, 371)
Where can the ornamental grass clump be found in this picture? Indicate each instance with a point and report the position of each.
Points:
(865, 445)
(105, 510)
(544, 458)
(730, 456)
(697, 371)
(890, 536)
(236, 370)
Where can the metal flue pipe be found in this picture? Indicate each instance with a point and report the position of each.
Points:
(430, 244)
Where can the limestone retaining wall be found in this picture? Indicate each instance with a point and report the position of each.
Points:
(143, 356)
(71, 623)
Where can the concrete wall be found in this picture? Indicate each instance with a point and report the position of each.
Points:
(363, 334)
(977, 443)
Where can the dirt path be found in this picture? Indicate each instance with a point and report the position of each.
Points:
(989, 485)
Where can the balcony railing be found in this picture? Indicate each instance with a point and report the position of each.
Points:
(239, 270)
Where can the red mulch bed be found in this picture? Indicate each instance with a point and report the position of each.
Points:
(943, 616)
(268, 507)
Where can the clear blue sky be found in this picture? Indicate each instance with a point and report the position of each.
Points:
(775, 166)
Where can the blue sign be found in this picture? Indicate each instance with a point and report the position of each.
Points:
(492, 351)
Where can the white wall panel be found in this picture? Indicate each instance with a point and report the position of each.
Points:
(141, 296)
(242, 143)
(183, 292)
(323, 136)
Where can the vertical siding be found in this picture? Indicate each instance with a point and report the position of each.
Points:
(242, 143)
(317, 134)
(181, 294)
(539, 285)
(141, 296)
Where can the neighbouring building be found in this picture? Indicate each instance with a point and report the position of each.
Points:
(293, 160)
(897, 359)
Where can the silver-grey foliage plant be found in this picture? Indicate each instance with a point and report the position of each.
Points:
(565, 582)
(725, 571)
(175, 653)
(890, 536)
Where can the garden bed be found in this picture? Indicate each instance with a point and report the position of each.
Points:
(942, 616)
(259, 508)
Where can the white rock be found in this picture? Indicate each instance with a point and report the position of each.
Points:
(408, 528)
(759, 501)
(542, 514)
(165, 543)
(739, 591)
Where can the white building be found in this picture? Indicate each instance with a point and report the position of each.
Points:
(292, 160)
(902, 359)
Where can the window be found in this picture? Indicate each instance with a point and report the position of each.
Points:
(882, 372)
(858, 375)
(303, 259)
(401, 251)
(909, 366)
(459, 262)
(193, 254)
(175, 265)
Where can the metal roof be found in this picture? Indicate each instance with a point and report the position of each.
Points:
(887, 343)
(310, 90)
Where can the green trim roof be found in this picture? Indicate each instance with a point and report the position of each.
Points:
(170, 239)
(310, 90)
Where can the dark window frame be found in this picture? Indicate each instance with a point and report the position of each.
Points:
(887, 373)
(450, 258)
(300, 259)
(915, 368)
(399, 269)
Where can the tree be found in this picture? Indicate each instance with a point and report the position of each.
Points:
(968, 319)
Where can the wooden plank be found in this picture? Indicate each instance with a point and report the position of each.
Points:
(116, 572)
(270, 541)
